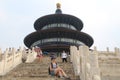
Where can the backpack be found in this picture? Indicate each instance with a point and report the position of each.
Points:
(49, 68)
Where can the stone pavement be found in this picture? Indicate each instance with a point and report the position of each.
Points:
(38, 71)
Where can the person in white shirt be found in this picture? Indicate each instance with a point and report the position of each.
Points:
(64, 56)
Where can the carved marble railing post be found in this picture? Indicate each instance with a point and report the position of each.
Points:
(14, 56)
(24, 55)
(119, 52)
(81, 57)
(116, 51)
(76, 62)
(0, 51)
(82, 63)
(5, 61)
(95, 70)
(71, 53)
(19, 54)
(31, 55)
(75, 59)
(0, 54)
(34, 53)
(95, 57)
(88, 71)
(33, 49)
(84, 55)
(1, 63)
(108, 49)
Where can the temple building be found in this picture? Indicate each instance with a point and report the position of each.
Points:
(57, 32)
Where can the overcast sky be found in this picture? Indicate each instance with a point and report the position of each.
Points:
(101, 19)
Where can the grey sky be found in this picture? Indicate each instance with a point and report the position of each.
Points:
(101, 19)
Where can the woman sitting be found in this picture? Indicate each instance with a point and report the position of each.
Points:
(56, 70)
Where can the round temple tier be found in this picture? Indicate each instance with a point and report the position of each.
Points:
(58, 18)
(58, 35)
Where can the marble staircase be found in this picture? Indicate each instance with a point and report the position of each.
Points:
(38, 71)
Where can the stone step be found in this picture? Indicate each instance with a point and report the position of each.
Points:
(31, 78)
(37, 78)
(38, 71)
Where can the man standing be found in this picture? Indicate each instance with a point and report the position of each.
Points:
(64, 56)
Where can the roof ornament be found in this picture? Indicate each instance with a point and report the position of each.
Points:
(58, 5)
(58, 11)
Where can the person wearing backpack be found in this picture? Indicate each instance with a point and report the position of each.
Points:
(56, 70)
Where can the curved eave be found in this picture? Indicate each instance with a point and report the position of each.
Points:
(58, 18)
(58, 32)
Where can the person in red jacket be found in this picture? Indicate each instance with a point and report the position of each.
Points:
(39, 54)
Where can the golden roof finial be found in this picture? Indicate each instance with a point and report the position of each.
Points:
(58, 5)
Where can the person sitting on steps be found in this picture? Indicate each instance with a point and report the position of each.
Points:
(56, 70)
